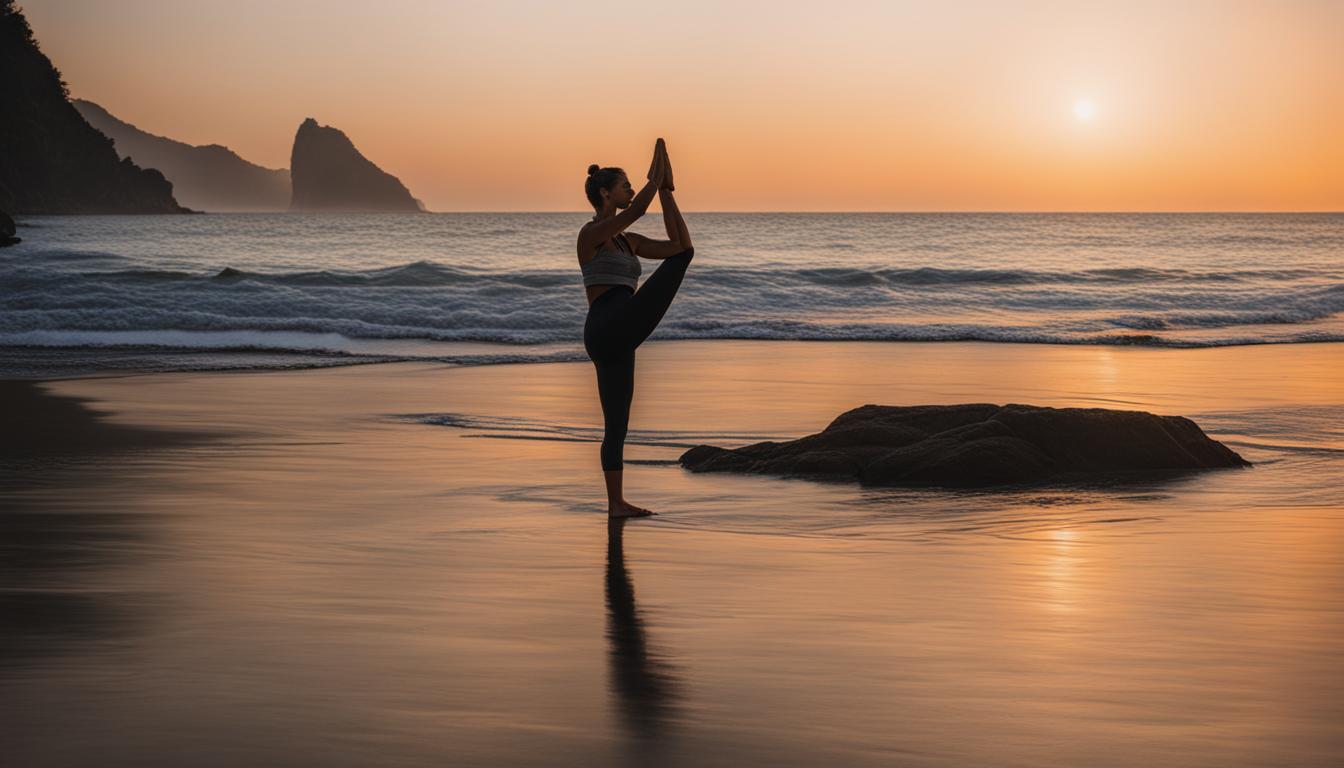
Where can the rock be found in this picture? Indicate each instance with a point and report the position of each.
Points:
(207, 178)
(327, 173)
(977, 445)
(51, 159)
(7, 230)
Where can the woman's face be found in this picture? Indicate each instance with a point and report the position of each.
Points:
(621, 193)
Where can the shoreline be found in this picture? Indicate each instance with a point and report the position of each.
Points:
(825, 379)
(564, 356)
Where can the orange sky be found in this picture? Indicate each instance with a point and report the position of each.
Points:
(875, 106)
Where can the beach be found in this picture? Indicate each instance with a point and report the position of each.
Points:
(410, 564)
(976, 383)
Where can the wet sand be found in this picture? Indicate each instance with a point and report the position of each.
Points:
(410, 565)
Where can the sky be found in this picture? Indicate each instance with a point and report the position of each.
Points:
(1179, 105)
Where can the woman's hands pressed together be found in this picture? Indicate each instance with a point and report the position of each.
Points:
(658, 167)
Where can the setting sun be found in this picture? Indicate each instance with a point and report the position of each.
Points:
(1085, 110)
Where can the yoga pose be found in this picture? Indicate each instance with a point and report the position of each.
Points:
(620, 318)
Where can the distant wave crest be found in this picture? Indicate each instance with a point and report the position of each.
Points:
(430, 274)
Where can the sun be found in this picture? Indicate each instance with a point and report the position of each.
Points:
(1084, 110)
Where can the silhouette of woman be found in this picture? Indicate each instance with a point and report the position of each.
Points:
(620, 317)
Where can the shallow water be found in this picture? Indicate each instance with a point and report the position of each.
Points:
(409, 565)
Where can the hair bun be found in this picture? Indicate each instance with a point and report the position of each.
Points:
(593, 169)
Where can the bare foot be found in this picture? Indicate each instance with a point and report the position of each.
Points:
(626, 509)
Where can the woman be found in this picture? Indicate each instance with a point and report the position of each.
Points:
(620, 318)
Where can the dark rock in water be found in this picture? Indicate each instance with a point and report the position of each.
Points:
(976, 445)
(229, 274)
(327, 173)
(51, 160)
(7, 230)
(207, 178)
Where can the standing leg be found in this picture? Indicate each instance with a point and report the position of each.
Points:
(646, 308)
(616, 389)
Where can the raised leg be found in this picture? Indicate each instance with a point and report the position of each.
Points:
(646, 308)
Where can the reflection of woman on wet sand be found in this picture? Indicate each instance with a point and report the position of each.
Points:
(644, 688)
(620, 318)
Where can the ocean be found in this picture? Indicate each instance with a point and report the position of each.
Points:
(221, 291)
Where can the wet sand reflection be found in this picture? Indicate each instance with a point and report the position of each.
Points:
(56, 598)
(644, 684)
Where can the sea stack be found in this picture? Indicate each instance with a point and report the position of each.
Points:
(7, 231)
(207, 178)
(51, 160)
(978, 445)
(327, 173)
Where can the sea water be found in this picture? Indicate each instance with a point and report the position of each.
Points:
(93, 293)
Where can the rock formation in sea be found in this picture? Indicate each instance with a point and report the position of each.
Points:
(207, 178)
(977, 445)
(329, 174)
(51, 159)
(7, 231)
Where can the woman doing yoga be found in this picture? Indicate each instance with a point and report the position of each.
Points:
(620, 318)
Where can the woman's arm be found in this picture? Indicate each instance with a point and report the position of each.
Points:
(679, 237)
(678, 234)
(649, 248)
(600, 231)
(677, 231)
(672, 220)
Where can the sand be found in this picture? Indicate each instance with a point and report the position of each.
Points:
(314, 569)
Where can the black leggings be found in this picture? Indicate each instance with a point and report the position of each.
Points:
(618, 321)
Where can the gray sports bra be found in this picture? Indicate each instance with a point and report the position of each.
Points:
(612, 267)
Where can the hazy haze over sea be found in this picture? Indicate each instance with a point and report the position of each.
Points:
(275, 290)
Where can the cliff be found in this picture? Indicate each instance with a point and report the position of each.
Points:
(208, 178)
(329, 174)
(51, 159)
(977, 445)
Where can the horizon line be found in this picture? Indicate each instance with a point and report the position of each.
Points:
(894, 212)
(1322, 212)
